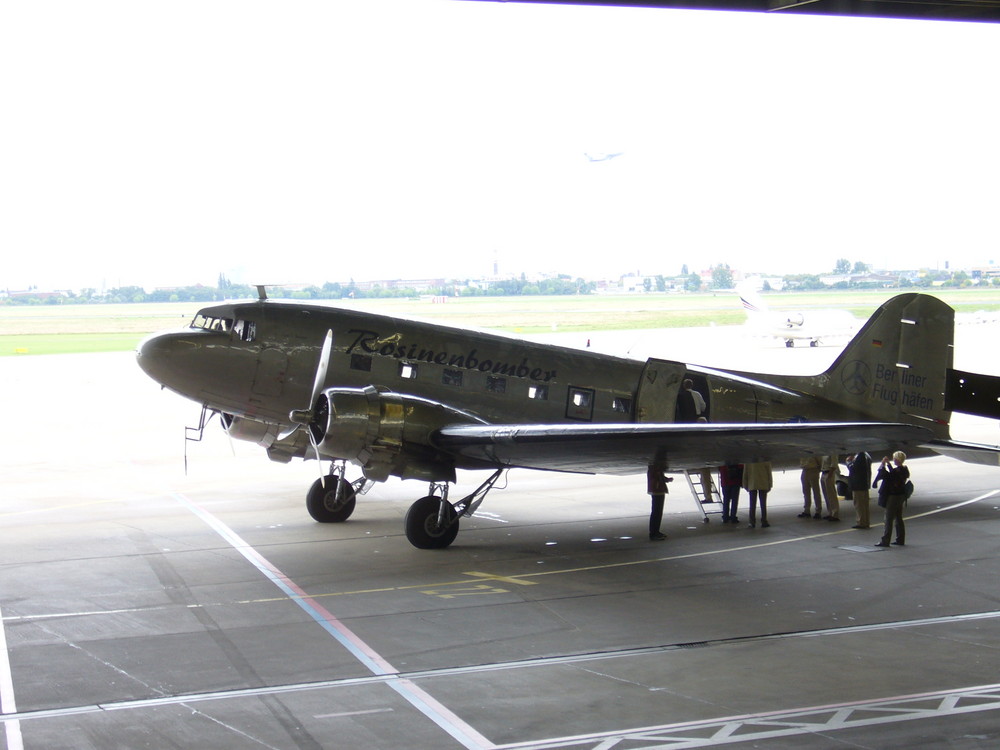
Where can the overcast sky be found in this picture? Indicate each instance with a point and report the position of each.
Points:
(161, 143)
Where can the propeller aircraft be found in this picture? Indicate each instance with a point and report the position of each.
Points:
(418, 401)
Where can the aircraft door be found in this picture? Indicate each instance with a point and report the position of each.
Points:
(659, 384)
(270, 376)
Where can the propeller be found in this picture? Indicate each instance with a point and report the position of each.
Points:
(306, 417)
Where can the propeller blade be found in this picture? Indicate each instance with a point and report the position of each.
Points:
(303, 417)
(321, 368)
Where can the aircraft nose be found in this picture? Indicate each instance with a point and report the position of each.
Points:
(156, 356)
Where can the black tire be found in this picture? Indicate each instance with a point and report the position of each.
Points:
(422, 527)
(332, 503)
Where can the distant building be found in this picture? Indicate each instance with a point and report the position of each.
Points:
(984, 273)
(419, 285)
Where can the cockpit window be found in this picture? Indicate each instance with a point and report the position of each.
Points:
(211, 324)
(245, 330)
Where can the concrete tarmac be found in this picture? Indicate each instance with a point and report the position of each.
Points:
(145, 607)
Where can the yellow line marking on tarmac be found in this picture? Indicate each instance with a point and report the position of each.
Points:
(502, 579)
(477, 590)
(520, 579)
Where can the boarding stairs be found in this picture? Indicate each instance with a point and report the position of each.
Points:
(706, 495)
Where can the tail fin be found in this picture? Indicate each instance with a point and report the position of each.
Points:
(895, 369)
(751, 301)
(749, 306)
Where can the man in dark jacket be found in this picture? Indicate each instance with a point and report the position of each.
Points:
(656, 486)
(859, 482)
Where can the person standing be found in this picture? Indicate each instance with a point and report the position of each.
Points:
(829, 471)
(859, 482)
(895, 478)
(656, 486)
(758, 480)
(691, 406)
(810, 486)
(730, 482)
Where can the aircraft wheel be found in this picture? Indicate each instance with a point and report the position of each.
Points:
(332, 503)
(789, 344)
(813, 343)
(422, 527)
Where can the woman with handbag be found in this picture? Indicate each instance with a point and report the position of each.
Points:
(894, 477)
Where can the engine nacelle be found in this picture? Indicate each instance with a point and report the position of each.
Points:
(385, 433)
(267, 436)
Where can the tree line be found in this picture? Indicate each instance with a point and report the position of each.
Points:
(721, 277)
(226, 289)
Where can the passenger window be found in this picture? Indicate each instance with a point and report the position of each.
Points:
(622, 405)
(539, 392)
(361, 362)
(495, 384)
(580, 403)
(408, 371)
(451, 377)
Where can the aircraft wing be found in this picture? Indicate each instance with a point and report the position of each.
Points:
(631, 448)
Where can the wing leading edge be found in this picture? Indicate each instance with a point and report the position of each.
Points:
(631, 448)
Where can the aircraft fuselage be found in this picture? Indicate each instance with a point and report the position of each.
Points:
(257, 360)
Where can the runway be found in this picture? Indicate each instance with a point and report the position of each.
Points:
(145, 607)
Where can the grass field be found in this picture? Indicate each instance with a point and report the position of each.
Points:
(103, 328)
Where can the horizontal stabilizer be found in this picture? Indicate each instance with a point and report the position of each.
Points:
(973, 393)
(970, 453)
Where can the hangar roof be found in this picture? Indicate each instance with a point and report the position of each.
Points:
(943, 10)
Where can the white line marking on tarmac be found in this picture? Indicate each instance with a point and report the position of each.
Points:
(517, 578)
(750, 728)
(458, 729)
(12, 727)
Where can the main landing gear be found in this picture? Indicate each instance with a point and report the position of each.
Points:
(432, 521)
(332, 498)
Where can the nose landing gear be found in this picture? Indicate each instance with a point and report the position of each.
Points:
(332, 498)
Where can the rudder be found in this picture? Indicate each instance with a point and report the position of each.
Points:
(895, 369)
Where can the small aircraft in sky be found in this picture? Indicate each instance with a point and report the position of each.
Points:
(603, 156)
(416, 400)
(812, 326)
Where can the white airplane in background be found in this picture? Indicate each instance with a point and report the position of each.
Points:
(814, 326)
